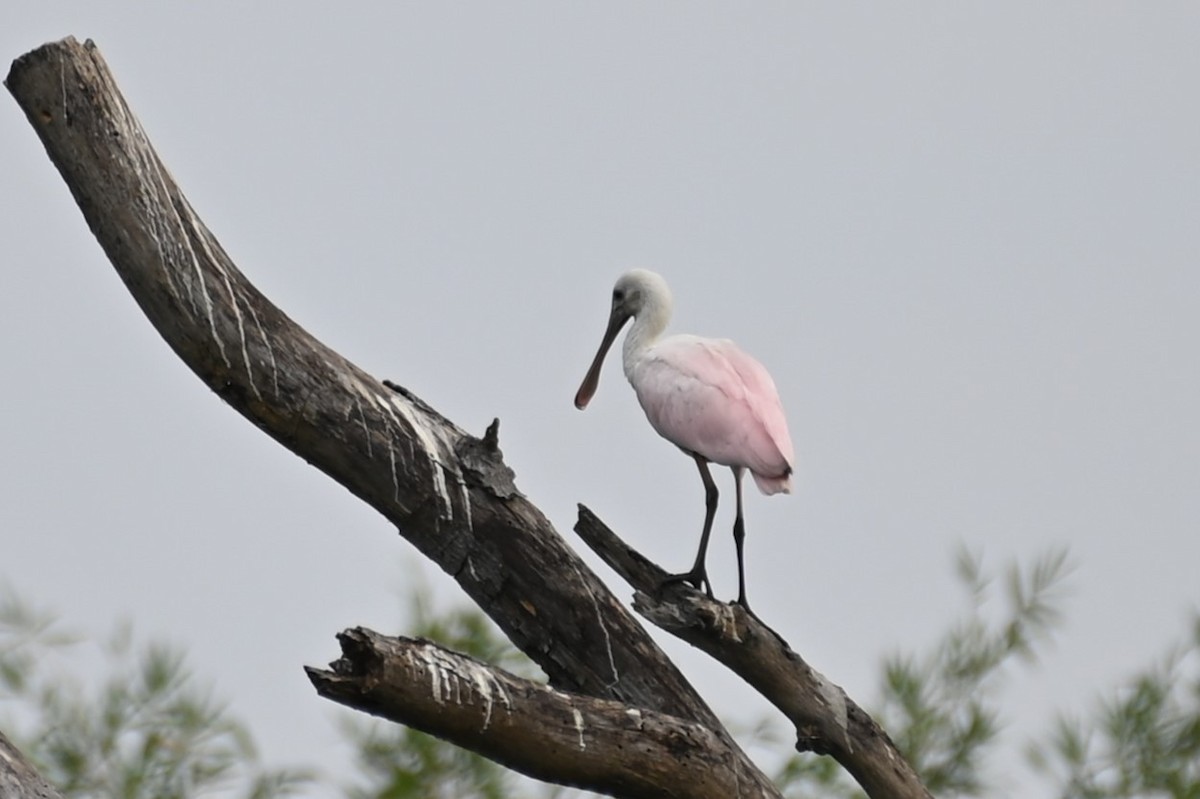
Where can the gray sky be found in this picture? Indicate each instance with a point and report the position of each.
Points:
(963, 238)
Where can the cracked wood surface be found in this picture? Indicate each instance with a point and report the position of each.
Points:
(826, 720)
(597, 744)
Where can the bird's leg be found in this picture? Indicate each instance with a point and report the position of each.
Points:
(698, 575)
(739, 537)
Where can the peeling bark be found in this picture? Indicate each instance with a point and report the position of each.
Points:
(449, 493)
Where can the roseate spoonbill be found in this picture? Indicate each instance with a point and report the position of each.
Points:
(705, 396)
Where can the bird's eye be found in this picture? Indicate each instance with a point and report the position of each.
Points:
(618, 296)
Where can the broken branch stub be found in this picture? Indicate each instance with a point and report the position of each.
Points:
(597, 744)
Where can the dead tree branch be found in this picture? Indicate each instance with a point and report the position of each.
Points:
(449, 493)
(571, 739)
(827, 721)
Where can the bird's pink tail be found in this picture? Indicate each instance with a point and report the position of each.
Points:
(781, 484)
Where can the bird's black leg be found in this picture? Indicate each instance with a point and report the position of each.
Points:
(739, 537)
(698, 576)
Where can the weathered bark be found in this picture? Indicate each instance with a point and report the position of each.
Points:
(572, 739)
(449, 493)
(827, 721)
(18, 778)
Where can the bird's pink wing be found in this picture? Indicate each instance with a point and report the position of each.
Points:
(708, 397)
(763, 397)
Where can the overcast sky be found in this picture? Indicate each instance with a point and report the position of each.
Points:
(963, 237)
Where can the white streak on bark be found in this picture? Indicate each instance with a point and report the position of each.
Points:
(465, 494)
(150, 172)
(612, 662)
(395, 477)
(489, 689)
(270, 351)
(442, 679)
(362, 417)
(430, 444)
(62, 85)
(579, 727)
(198, 234)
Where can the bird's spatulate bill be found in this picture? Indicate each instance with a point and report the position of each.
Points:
(591, 380)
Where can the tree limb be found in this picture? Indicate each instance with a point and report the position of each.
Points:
(596, 744)
(826, 720)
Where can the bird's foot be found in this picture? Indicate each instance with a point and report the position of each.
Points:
(697, 578)
(741, 601)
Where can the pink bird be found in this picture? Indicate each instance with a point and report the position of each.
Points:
(705, 396)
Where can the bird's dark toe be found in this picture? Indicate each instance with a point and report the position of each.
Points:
(696, 579)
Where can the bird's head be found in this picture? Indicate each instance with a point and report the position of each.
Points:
(637, 293)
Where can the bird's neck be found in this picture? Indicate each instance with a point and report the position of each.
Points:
(647, 327)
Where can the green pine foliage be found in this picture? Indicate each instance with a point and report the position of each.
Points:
(145, 729)
(1141, 742)
(396, 762)
(943, 707)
